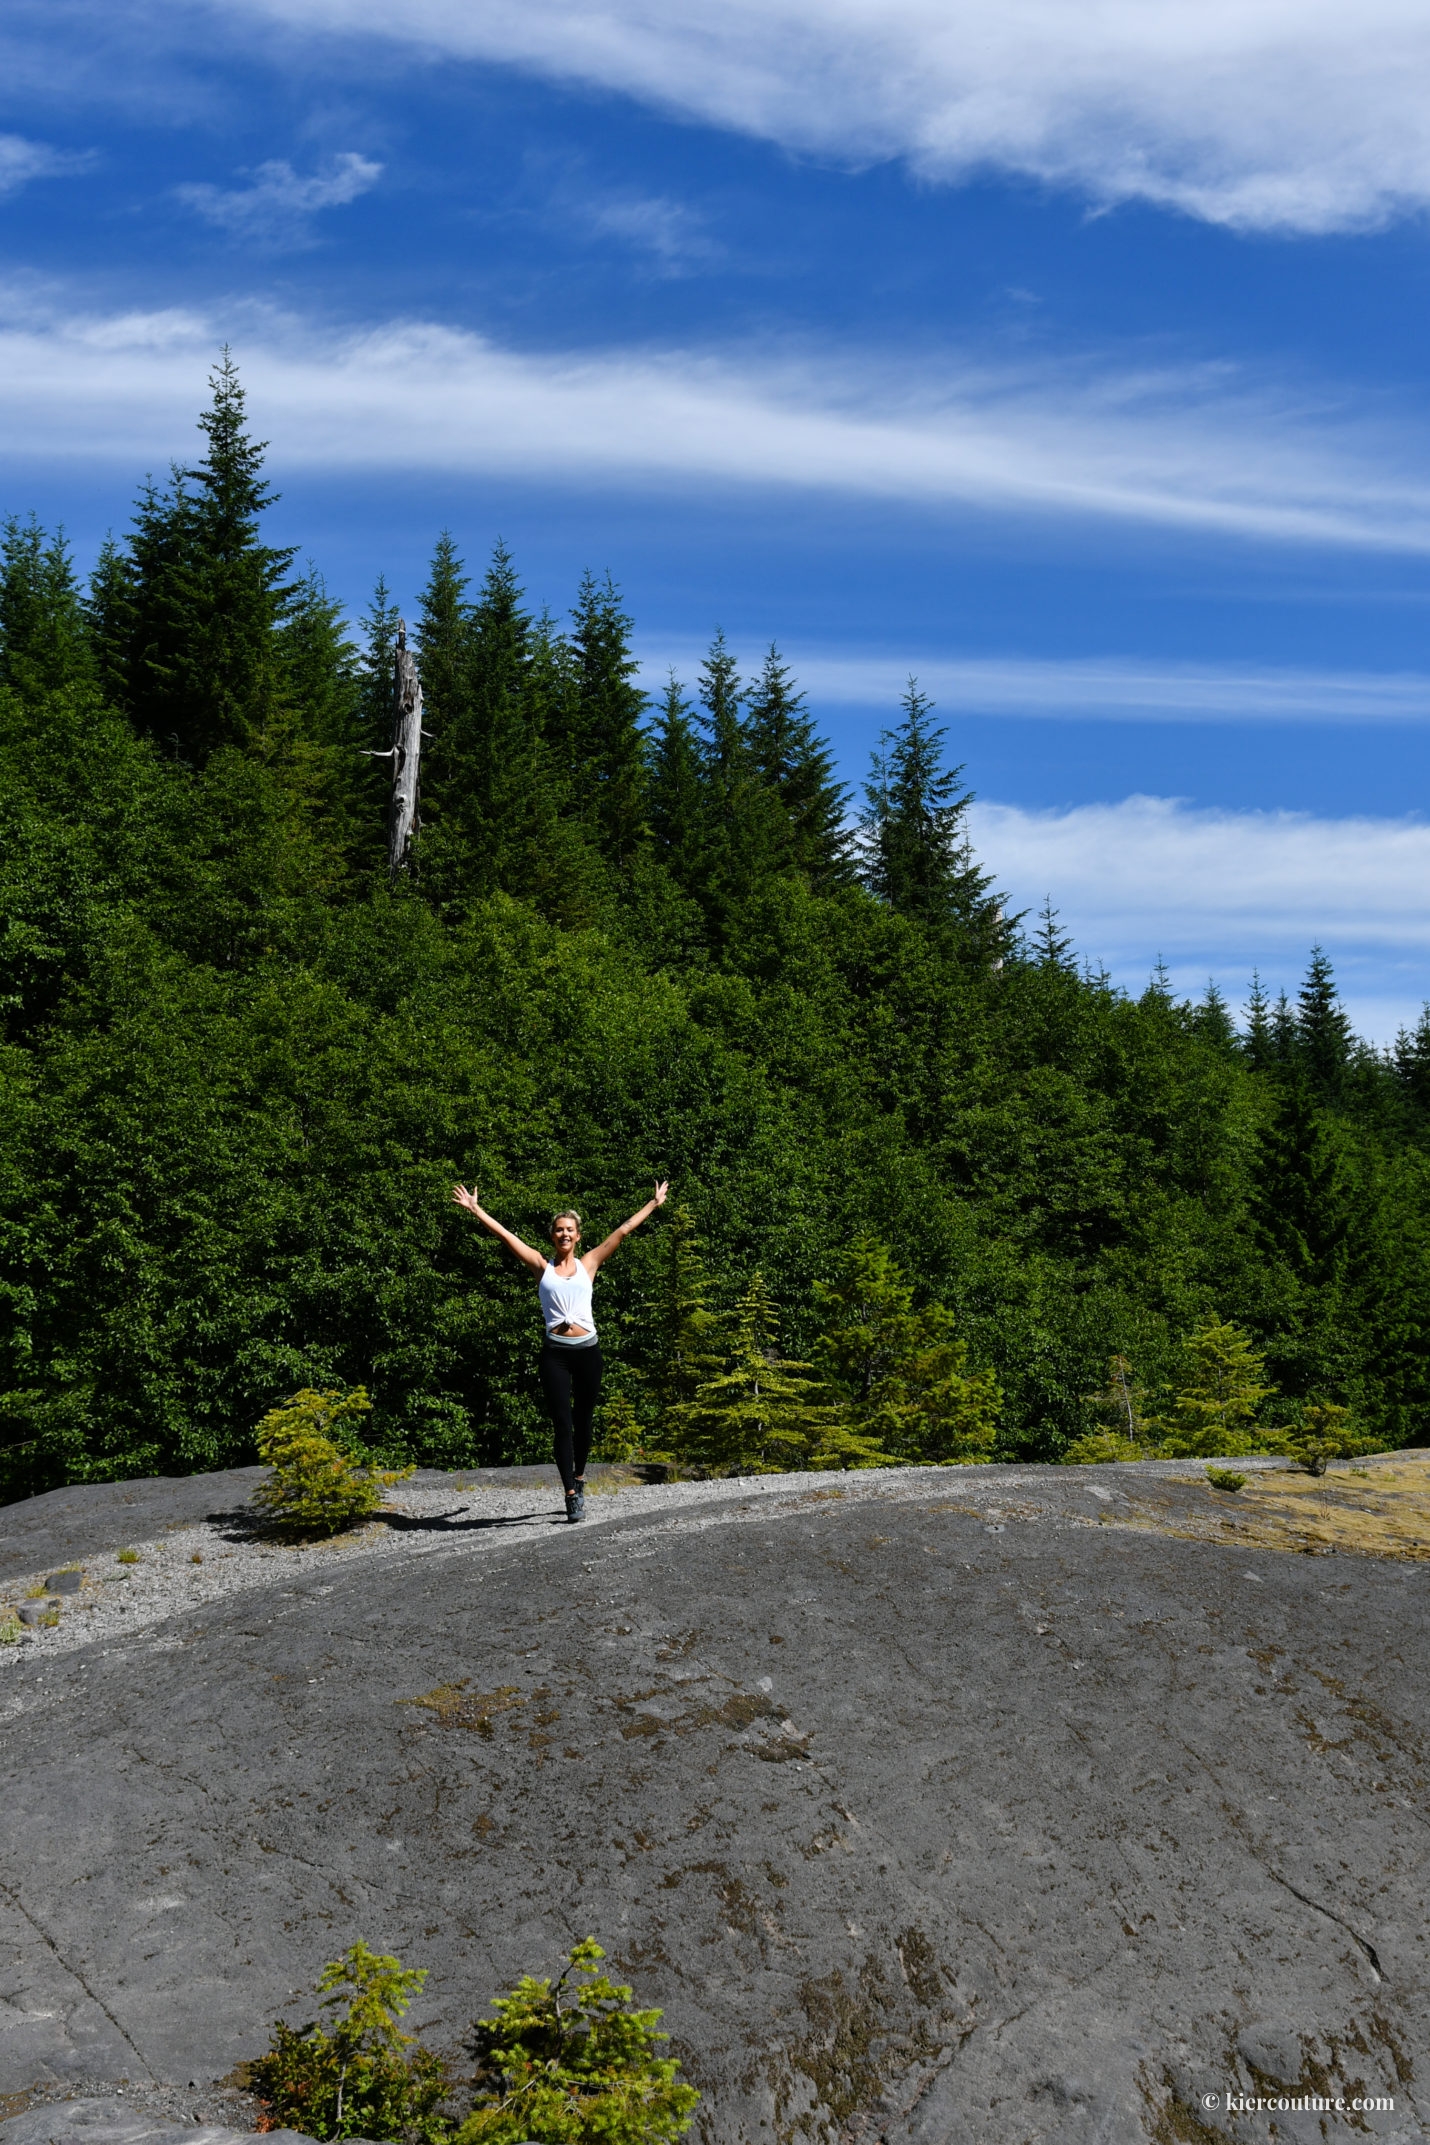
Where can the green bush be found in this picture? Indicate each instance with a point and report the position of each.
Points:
(572, 2063)
(320, 1481)
(1322, 1433)
(1101, 1446)
(620, 1437)
(365, 2077)
(1225, 1478)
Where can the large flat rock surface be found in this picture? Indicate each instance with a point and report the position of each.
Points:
(966, 1805)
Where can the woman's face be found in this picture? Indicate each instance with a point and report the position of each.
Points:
(565, 1236)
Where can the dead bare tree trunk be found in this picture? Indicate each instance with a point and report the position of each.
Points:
(405, 753)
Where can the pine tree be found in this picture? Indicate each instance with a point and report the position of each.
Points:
(1324, 1038)
(1258, 1044)
(44, 644)
(1283, 1034)
(1411, 1060)
(498, 742)
(607, 746)
(109, 614)
(1159, 985)
(1125, 1431)
(679, 807)
(760, 1413)
(322, 687)
(798, 767)
(681, 1322)
(443, 659)
(743, 815)
(202, 667)
(905, 1370)
(321, 678)
(1223, 1384)
(379, 624)
(1302, 1190)
(1212, 1019)
(1051, 946)
(913, 836)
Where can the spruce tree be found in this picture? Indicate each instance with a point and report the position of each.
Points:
(1222, 1385)
(496, 743)
(443, 639)
(682, 1324)
(44, 644)
(379, 624)
(1212, 1019)
(1324, 1039)
(1051, 947)
(677, 795)
(109, 613)
(606, 746)
(202, 668)
(1258, 1044)
(1411, 1059)
(905, 1370)
(322, 688)
(1283, 1035)
(759, 1413)
(1302, 1189)
(914, 841)
(743, 814)
(797, 765)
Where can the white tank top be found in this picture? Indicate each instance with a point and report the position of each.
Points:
(566, 1301)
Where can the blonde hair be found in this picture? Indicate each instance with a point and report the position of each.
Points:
(567, 1214)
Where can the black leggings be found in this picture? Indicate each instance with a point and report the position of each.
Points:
(571, 1381)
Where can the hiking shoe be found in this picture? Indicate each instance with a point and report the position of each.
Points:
(576, 1503)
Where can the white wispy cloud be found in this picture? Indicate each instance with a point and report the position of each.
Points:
(1197, 451)
(1113, 688)
(1218, 893)
(1259, 114)
(278, 201)
(22, 160)
(670, 231)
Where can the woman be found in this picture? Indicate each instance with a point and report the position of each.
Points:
(571, 1353)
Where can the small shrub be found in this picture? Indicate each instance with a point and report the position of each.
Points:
(128, 1556)
(321, 1480)
(1225, 1478)
(10, 1629)
(1100, 1446)
(620, 1436)
(365, 2077)
(570, 2063)
(1324, 1433)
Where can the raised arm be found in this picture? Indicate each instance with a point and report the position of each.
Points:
(592, 1259)
(536, 1260)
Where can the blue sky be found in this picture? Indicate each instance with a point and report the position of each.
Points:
(1071, 358)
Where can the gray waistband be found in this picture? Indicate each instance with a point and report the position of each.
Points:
(573, 1340)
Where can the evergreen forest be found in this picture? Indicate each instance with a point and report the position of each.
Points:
(939, 1190)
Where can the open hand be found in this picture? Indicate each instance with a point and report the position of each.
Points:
(465, 1198)
(660, 1191)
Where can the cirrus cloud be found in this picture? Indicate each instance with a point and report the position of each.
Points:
(279, 202)
(1266, 115)
(1191, 450)
(1219, 893)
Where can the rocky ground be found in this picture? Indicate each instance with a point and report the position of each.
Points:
(987, 1805)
